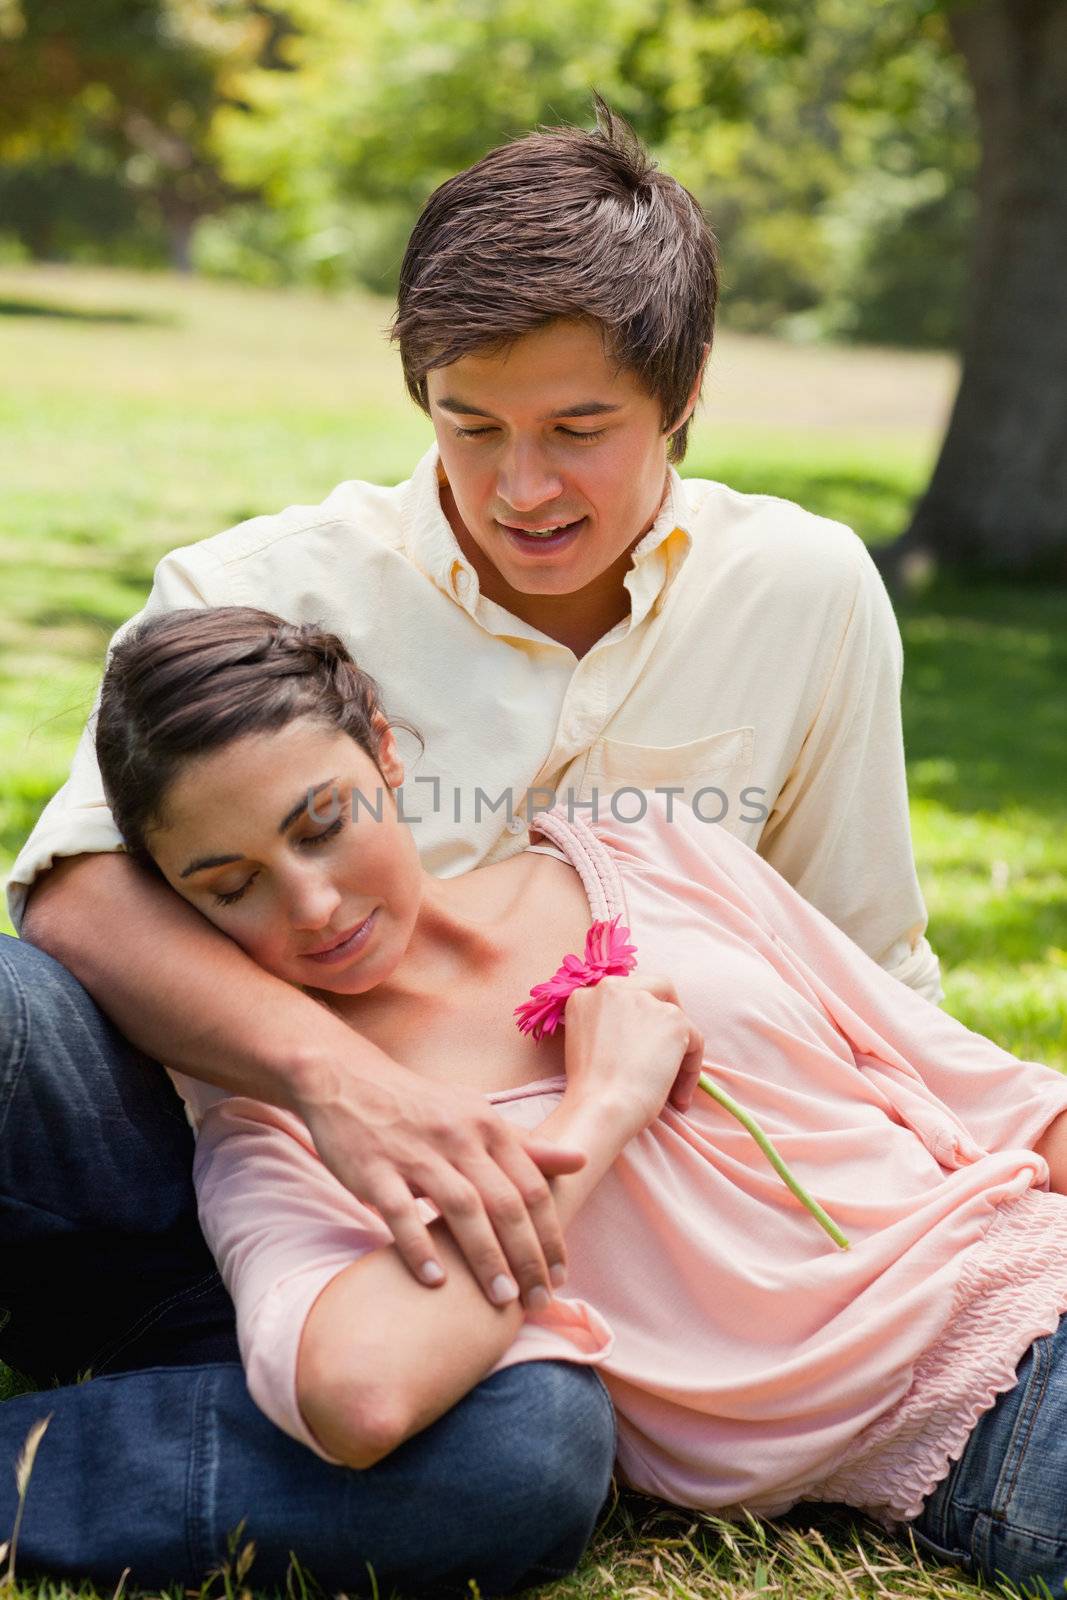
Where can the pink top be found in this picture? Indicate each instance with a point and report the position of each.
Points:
(751, 1362)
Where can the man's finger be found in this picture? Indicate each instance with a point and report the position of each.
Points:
(460, 1204)
(395, 1204)
(540, 1204)
(513, 1226)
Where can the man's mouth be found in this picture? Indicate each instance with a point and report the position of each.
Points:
(546, 535)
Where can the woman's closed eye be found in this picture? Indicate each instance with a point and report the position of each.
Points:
(309, 839)
(327, 833)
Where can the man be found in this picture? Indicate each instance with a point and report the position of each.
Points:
(557, 613)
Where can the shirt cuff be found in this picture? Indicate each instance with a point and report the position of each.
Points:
(917, 966)
(94, 833)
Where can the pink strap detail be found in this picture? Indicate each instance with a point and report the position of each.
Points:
(590, 859)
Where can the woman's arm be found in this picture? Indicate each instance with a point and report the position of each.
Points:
(1002, 1102)
(379, 1359)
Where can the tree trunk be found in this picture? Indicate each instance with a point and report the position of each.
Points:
(997, 501)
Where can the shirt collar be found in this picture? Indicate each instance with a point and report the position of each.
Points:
(432, 545)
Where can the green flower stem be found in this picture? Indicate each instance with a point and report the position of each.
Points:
(774, 1158)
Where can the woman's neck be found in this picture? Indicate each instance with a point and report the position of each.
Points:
(465, 932)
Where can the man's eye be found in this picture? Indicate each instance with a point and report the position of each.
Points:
(593, 433)
(327, 833)
(473, 433)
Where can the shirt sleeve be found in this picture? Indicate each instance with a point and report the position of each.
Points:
(839, 830)
(1000, 1101)
(77, 819)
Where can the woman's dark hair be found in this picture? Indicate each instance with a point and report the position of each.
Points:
(188, 682)
(563, 223)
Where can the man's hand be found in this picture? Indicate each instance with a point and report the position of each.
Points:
(185, 994)
(402, 1137)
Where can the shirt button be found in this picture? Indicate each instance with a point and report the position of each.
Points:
(515, 825)
(463, 582)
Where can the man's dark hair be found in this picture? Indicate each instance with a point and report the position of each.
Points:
(563, 223)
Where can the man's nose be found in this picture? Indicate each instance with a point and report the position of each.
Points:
(526, 480)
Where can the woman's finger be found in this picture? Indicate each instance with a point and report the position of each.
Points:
(685, 1085)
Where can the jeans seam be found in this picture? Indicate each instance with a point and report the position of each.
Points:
(195, 1508)
(606, 1397)
(149, 1318)
(16, 1056)
(1002, 1493)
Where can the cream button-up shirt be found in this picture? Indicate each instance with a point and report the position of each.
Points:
(757, 678)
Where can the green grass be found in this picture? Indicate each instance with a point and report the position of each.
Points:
(159, 411)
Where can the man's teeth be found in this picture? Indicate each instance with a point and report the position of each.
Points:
(542, 533)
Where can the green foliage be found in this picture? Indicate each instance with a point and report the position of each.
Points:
(832, 142)
(106, 115)
(833, 147)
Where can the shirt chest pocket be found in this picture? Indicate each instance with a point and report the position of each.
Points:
(721, 762)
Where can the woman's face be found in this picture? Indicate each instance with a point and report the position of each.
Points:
(275, 839)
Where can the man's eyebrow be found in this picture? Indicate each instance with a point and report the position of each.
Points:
(584, 408)
(202, 863)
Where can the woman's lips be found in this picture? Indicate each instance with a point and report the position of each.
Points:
(349, 944)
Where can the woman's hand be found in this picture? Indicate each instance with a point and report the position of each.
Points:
(629, 1044)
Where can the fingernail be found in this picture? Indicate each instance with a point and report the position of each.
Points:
(538, 1299)
(503, 1289)
(558, 1274)
(430, 1272)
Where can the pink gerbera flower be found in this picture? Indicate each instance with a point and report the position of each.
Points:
(607, 955)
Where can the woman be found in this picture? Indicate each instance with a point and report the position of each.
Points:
(751, 1362)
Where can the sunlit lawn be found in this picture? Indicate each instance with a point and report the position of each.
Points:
(157, 412)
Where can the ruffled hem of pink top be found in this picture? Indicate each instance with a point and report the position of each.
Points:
(1013, 1290)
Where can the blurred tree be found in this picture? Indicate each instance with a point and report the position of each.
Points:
(385, 102)
(997, 501)
(106, 113)
(825, 139)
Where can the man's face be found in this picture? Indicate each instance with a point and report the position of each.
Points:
(548, 434)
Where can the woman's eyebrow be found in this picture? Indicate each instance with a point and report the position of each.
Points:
(202, 863)
(304, 804)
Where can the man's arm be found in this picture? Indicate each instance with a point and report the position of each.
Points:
(187, 995)
(839, 831)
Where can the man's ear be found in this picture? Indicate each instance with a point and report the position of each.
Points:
(694, 394)
(389, 761)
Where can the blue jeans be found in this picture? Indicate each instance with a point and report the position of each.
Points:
(153, 1462)
(1002, 1510)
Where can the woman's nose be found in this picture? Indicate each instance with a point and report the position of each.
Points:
(526, 481)
(312, 902)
